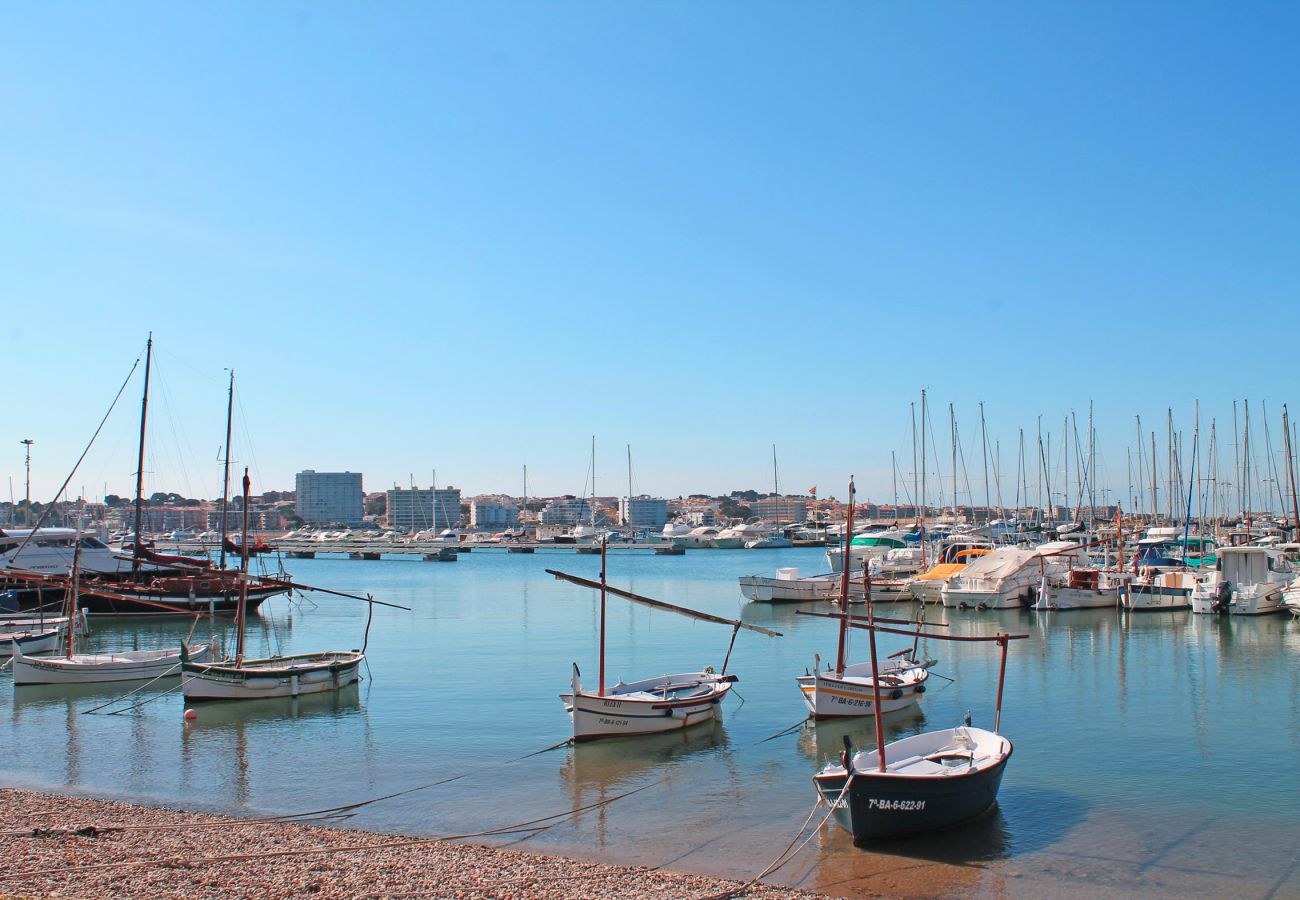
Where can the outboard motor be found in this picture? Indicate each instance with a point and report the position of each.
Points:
(1222, 598)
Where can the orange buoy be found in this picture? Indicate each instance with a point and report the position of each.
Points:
(190, 715)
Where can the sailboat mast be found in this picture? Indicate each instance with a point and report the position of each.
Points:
(844, 580)
(924, 508)
(241, 612)
(915, 494)
(984, 444)
(139, 473)
(952, 425)
(225, 479)
(1290, 472)
(629, 485)
(593, 481)
(1155, 503)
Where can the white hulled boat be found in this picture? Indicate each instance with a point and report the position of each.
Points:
(1086, 588)
(652, 705)
(1009, 577)
(789, 587)
(1246, 581)
(276, 676)
(864, 689)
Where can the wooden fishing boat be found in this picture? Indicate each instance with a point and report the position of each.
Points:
(274, 676)
(863, 689)
(652, 705)
(93, 668)
(922, 782)
(935, 779)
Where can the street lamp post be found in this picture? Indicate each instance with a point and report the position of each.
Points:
(27, 443)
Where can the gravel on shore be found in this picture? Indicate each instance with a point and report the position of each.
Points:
(62, 846)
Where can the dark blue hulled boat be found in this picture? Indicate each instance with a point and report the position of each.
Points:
(919, 783)
(930, 781)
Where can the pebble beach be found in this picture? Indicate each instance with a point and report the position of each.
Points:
(64, 846)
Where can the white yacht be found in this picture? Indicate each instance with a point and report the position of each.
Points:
(1246, 581)
(737, 536)
(50, 552)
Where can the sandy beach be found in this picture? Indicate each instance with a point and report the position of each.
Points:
(63, 846)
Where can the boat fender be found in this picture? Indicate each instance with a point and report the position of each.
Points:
(896, 694)
(919, 689)
(983, 607)
(963, 605)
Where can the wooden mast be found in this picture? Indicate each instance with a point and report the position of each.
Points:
(844, 580)
(871, 641)
(604, 547)
(139, 473)
(241, 612)
(225, 479)
(70, 606)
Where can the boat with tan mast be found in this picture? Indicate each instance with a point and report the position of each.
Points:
(652, 705)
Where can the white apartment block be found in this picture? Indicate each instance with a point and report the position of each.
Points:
(420, 509)
(642, 512)
(490, 515)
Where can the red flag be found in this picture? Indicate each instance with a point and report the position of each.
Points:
(813, 490)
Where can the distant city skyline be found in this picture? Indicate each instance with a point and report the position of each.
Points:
(467, 237)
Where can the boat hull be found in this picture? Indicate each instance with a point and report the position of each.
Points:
(164, 604)
(103, 668)
(28, 642)
(625, 713)
(285, 676)
(826, 697)
(1157, 598)
(877, 807)
(760, 589)
(1017, 598)
(1062, 598)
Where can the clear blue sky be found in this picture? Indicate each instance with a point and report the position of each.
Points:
(471, 235)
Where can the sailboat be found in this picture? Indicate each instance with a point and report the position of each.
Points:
(856, 690)
(273, 676)
(160, 584)
(919, 783)
(652, 705)
(95, 668)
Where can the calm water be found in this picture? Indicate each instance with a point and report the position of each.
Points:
(1156, 752)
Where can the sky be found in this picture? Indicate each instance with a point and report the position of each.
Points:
(464, 238)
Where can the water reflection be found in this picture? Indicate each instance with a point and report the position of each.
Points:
(822, 741)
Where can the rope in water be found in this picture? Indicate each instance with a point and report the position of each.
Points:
(790, 851)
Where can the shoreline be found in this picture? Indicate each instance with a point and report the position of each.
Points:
(70, 845)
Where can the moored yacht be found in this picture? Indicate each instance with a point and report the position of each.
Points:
(1009, 577)
(1246, 581)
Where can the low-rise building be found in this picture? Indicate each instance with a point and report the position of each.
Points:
(780, 509)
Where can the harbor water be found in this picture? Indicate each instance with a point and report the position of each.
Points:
(1154, 752)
